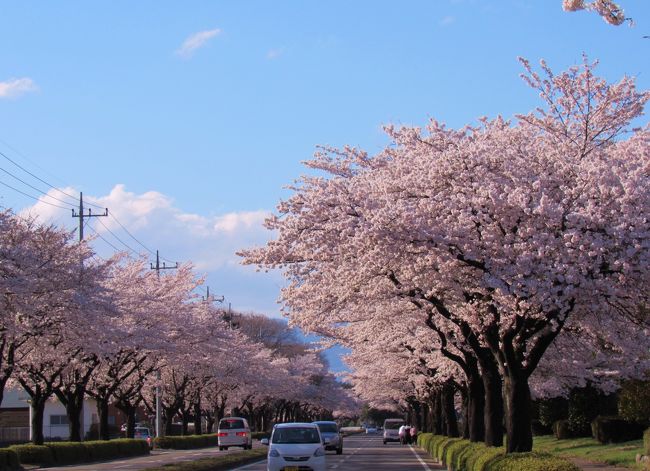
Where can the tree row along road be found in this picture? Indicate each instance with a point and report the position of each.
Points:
(360, 452)
(367, 452)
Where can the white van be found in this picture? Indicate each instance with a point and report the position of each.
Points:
(234, 431)
(391, 430)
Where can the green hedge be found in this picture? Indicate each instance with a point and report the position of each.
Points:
(33, 454)
(186, 442)
(9, 460)
(218, 463)
(260, 435)
(64, 453)
(646, 443)
(562, 430)
(463, 455)
(615, 430)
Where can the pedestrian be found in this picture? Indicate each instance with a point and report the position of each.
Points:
(401, 434)
(414, 434)
(407, 434)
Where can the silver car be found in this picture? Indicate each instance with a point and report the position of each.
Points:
(332, 438)
(234, 431)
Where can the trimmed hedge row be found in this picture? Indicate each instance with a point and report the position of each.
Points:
(64, 453)
(646, 442)
(463, 455)
(615, 430)
(186, 442)
(219, 463)
(8, 460)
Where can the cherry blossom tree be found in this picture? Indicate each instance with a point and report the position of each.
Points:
(506, 230)
(611, 12)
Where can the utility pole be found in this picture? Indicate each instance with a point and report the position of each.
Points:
(218, 299)
(158, 406)
(82, 216)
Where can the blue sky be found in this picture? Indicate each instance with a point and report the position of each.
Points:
(190, 147)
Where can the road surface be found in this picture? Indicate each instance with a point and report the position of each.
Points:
(360, 453)
(367, 452)
(156, 458)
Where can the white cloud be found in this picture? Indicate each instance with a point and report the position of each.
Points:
(153, 218)
(447, 20)
(208, 241)
(196, 41)
(274, 54)
(13, 88)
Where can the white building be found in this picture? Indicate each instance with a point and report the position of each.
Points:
(15, 418)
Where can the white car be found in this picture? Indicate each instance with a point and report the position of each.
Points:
(234, 431)
(391, 430)
(294, 447)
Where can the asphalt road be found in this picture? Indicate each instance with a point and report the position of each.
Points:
(360, 453)
(367, 452)
(156, 458)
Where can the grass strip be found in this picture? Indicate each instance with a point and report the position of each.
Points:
(617, 454)
(217, 463)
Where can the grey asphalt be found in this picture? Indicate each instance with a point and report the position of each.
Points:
(367, 452)
(156, 458)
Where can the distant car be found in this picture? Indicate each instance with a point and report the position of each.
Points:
(234, 431)
(295, 446)
(142, 433)
(371, 429)
(391, 430)
(331, 434)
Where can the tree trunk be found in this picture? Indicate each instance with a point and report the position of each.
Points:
(73, 410)
(38, 409)
(437, 415)
(493, 404)
(209, 422)
(465, 404)
(518, 414)
(185, 420)
(102, 413)
(449, 411)
(475, 410)
(198, 425)
(130, 422)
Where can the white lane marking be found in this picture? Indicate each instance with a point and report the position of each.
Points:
(249, 465)
(426, 468)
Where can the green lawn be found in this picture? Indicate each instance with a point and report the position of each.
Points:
(619, 454)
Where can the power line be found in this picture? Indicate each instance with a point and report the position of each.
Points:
(34, 197)
(66, 194)
(34, 188)
(43, 181)
(119, 240)
(131, 235)
(102, 238)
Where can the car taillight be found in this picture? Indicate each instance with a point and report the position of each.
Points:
(241, 434)
(223, 434)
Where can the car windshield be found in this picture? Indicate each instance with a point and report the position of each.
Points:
(393, 425)
(327, 428)
(295, 435)
(226, 424)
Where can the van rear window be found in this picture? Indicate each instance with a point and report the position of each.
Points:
(227, 424)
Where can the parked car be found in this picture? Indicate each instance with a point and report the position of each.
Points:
(234, 431)
(295, 446)
(371, 429)
(143, 434)
(391, 430)
(332, 438)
